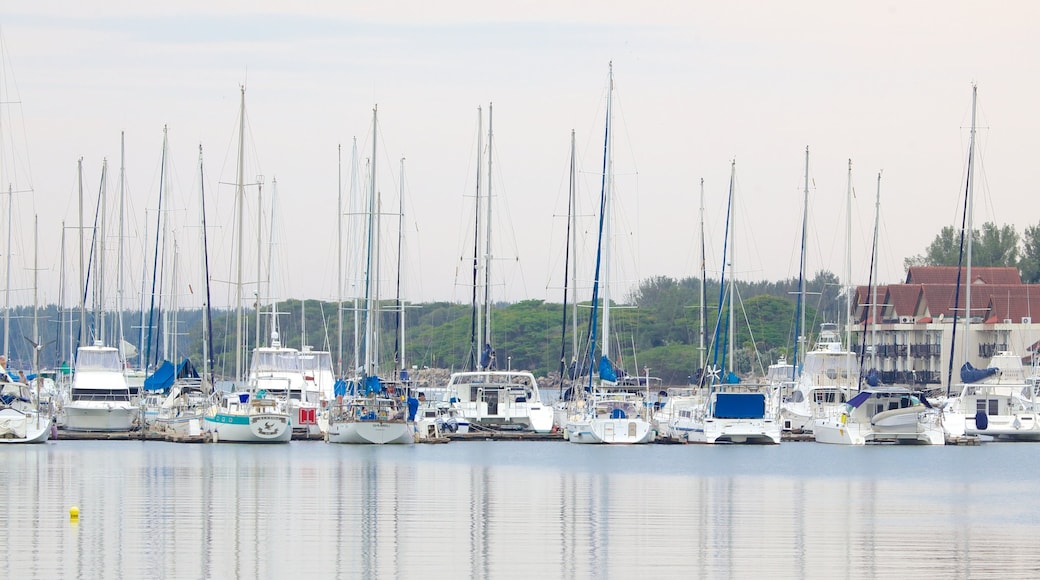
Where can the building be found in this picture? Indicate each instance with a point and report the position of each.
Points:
(909, 328)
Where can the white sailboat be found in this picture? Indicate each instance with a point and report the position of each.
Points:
(248, 415)
(485, 396)
(100, 398)
(733, 412)
(374, 413)
(615, 410)
(999, 401)
(878, 413)
(828, 374)
(22, 418)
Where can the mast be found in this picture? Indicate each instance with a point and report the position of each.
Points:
(848, 259)
(969, 230)
(99, 259)
(476, 344)
(207, 318)
(603, 221)
(487, 243)
(873, 266)
(371, 273)
(608, 186)
(731, 335)
(240, 195)
(339, 259)
(801, 333)
(119, 254)
(155, 260)
(7, 286)
(566, 270)
(354, 171)
(82, 263)
(399, 348)
(260, 261)
(703, 316)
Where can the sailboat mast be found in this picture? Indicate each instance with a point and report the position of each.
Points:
(732, 318)
(608, 186)
(155, 260)
(476, 328)
(354, 174)
(970, 231)
(848, 260)
(873, 297)
(339, 259)
(207, 318)
(82, 263)
(802, 333)
(240, 198)
(99, 271)
(37, 341)
(119, 253)
(703, 316)
(7, 286)
(574, 246)
(567, 272)
(259, 261)
(487, 235)
(371, 274)
(400, 257)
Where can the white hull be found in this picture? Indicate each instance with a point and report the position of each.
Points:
(371, 432)
(258, 428)
(752, 431)
(620, 431)
(18, 427)
(500, 398)
(912, 425)
(104, 416)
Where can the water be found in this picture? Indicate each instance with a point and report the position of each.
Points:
(517, 510)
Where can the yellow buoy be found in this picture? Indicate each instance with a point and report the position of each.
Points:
(74, 513)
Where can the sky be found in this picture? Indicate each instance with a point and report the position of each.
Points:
(700, 89)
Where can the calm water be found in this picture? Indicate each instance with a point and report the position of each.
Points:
(544, 510)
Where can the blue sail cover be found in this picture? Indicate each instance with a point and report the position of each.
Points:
(859, 399)
(340, 388)
(606, 370)
(873, 378)
(970, 374)
(186, 370)
(161, 379)
(372, 385)
(731, 378)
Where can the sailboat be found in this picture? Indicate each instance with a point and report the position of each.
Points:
(374, 413)
(246, 415)
(483, 395)
(880, 413)
(22, 418)
(182, 412)
(731, 412)
(828, 374)
(616, 410)
(998, 401)
(100, 398)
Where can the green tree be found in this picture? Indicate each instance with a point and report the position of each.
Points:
(1029, 262)
(991, 246)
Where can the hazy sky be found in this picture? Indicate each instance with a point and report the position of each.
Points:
(698, 85)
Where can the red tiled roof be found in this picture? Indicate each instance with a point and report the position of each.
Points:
(948, 275)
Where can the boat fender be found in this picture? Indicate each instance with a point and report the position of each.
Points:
(844, 418)
(981, 421)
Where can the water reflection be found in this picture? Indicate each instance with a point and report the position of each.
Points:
(515, 510)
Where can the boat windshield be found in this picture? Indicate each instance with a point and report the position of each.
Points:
(98, 360)
(280, 360)
(316, 361)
